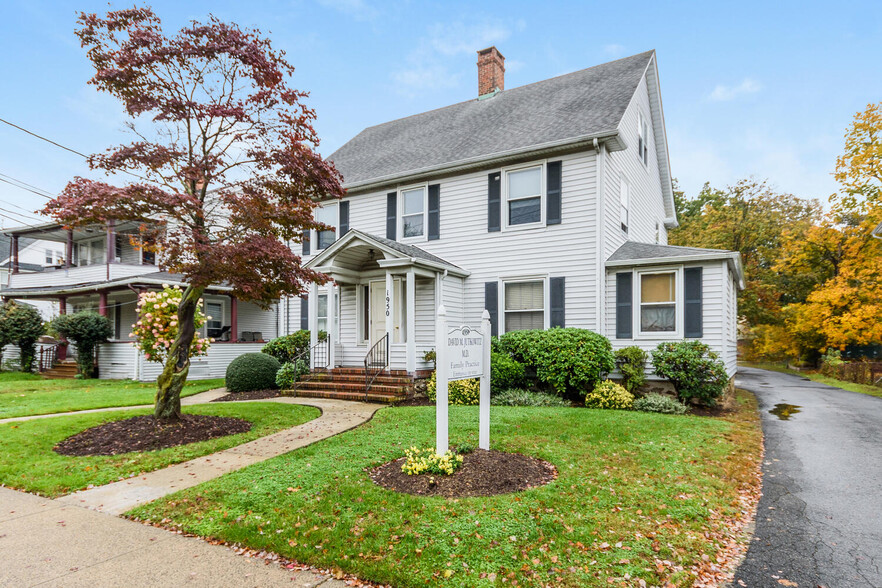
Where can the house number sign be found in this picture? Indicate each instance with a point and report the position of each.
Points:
(388, 302)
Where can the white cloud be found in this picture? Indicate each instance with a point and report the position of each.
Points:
(614, 50)
(430, 77)
(458, 38)
(723, 93)
(357, 9)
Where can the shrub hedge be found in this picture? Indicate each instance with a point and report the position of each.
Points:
(632, 363)
(286, 348)
(521, 397)
(695, 371)
(290, 372)
(505, 372)
(252, 371)
(465, 392)
(659, 403)
(568, 360)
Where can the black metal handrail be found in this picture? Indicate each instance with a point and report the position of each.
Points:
(320, 354)
(376, 360)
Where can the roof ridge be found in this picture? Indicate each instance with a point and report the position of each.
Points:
(503, 92)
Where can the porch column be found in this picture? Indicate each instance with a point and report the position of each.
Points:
(234, 318)
(313, 320)
(390, 306)
(62, 349)
(102, 303)
(332, 324)
(15, 254)
(111, 242)
(410, 302)
(68, 249)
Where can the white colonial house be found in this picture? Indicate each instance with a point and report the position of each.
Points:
(548, 205)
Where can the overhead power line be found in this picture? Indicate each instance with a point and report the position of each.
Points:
(23, 183)
(41, 137)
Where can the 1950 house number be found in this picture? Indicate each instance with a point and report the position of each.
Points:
(388, 303)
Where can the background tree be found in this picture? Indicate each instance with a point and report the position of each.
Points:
(22, 326)
(86, 330)
(227, 153)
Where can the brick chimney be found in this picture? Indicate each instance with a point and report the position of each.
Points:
(491, 71)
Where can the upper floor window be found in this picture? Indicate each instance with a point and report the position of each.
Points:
(326, 214)
(642, 139)
(524, 305)
(413, 213)
(524, 196)
(91, 252)
(625, 202)
(658, 302)
(49, 257)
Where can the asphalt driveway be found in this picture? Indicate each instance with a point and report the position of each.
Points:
(819, 522)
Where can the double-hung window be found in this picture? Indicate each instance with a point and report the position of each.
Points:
(524, 196)
(326, 214)
(48, 257)
(625, 200)
(524, 305)
(413, 213)
(214, 313)
(642, 139)
(658, 302)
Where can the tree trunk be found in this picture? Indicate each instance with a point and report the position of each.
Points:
(177, 366)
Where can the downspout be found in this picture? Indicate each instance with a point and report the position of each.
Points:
(600, 280)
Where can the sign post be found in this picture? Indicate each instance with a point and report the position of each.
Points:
(461, 353)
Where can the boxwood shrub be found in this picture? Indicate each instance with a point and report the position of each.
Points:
(505, 372)
(466, 392)
(568, 360)
(252, 371)
(695, 371)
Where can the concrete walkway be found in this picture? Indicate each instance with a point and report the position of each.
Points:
(119, 497)
(201, 398)
(49, 543)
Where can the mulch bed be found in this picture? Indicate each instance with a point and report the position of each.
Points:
(145, 433)
(253, 395)
(415, 401)
(482, 473)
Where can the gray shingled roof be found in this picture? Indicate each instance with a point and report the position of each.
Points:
(634, 251)
(408, 250)
(582, 104)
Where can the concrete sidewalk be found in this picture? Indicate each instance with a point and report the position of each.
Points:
(201, 398)
(119, 497)
(47, 542)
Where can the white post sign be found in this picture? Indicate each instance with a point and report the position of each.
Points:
(461, 353)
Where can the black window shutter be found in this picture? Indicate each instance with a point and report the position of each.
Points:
(693, 327)
(304, 313)
(558, 301)
(344, 217)
(305, 241)
(434, 212)
(391, 214)
(553, 193)
(494, 202)
(491, 303)
(624, 305)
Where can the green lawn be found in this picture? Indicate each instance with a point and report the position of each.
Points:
(29, 394)
(633, 491)
(821, 378)
(27, 461)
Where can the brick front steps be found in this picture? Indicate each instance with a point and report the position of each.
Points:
(349, 384)
(64, 370)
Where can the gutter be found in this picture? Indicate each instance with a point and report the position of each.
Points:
(610, 138)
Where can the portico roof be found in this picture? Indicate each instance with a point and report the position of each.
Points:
(357, 251)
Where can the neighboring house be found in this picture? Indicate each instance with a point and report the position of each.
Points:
(547, 204)
(104, 269)
(34, 255)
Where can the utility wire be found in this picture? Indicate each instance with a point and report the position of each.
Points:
(24, 188)
(47, 192)
(83, 155)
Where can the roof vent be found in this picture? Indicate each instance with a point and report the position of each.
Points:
(491, 71)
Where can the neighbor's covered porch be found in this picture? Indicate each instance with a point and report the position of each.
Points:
(382, 302)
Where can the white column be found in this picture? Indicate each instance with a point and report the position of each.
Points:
(312, 310)
(333, 292)
(410, 301)
(390, 306)
(441, 409)
(484, 409)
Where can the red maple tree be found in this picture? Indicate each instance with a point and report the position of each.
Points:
(225, 153)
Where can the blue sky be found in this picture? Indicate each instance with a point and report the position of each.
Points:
(757, 88)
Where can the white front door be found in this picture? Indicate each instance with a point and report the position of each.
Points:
(377, 311)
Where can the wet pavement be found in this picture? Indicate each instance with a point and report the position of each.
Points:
(819, 522)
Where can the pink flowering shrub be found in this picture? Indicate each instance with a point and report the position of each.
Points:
(157, 324)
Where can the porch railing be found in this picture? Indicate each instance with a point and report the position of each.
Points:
(47, 358)
(318, 357)
(376, 360)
